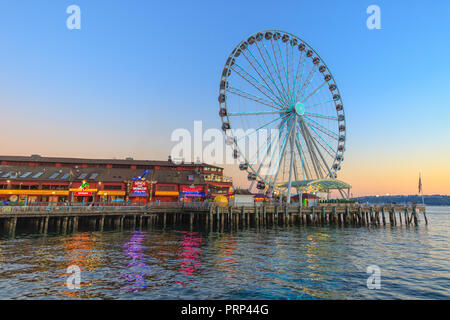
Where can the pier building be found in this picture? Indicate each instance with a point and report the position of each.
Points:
(36, 179)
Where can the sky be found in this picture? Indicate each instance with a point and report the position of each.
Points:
(138, 70)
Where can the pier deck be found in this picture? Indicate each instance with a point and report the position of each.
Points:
(69, 219)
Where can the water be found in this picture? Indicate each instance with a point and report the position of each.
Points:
(275, 263)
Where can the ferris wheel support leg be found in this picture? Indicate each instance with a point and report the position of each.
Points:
(291, 137)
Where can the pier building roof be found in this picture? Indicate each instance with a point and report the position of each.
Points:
(99, 162)
(322, 184)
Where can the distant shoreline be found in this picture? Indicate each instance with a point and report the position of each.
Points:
(429, 200)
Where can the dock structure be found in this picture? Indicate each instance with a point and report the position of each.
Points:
(67, 219)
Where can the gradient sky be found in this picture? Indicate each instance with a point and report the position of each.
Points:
(137, 70)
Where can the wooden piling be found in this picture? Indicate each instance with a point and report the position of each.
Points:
(75, 224)
(101, 223)
(11, 225)
(425, 216)
(416, 222)
(64, 224)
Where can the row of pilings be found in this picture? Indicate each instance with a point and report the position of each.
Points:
(215, 218)
(348, 216)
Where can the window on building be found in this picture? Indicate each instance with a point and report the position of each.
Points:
(166, 188)
(112, 187)
(53, 176)
(65, 176)
(93, 176)
(52, 187)
(82, 176)
(26, 174)
(37, 175)
(6, 175)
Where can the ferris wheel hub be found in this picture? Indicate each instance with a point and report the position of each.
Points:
(299, 108)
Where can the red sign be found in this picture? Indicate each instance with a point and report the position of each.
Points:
(191, 189)
(82, 193)
(139, 188)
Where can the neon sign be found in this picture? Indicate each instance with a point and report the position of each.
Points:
(192, 191)
(139, 188)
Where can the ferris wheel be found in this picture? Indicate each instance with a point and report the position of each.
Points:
(275, 83)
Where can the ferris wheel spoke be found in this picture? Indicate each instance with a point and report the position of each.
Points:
(267, 149)
(250, 96)
(276, 72)
(305, 166)
(318, 104)
(267, 146)
(263, 126)
(305, 84)
(291, 64)
(334, 152)
(250, 79)
(302, 62)
(322, 116)
(288, 78)
(315, 141)
(296, 176)
(279, 69)
(270, 73)
(312, 154)
(265, 153)
(260, 75)
(314, 92)
(234, 114)
(286, 71)
(321, 129)
(281, 128)
(291, 162)
(325, 165)
(336, 136)
(293, 71)
(273, 180)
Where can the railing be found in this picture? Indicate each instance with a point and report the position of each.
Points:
(97, 207)
(55, 209)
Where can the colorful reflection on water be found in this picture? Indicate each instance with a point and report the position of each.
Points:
(189, 255)
(137, 268)
(226, 261)
(82, 250)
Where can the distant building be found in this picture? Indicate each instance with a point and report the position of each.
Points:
(242, 197)
(49, 179)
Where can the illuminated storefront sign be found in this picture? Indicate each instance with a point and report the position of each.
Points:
(80, 190)
(192, 191)
(166, 193)
(82, 193)
(139, 189)
(36, 192)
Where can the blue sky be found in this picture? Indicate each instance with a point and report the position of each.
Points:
(137, 70)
